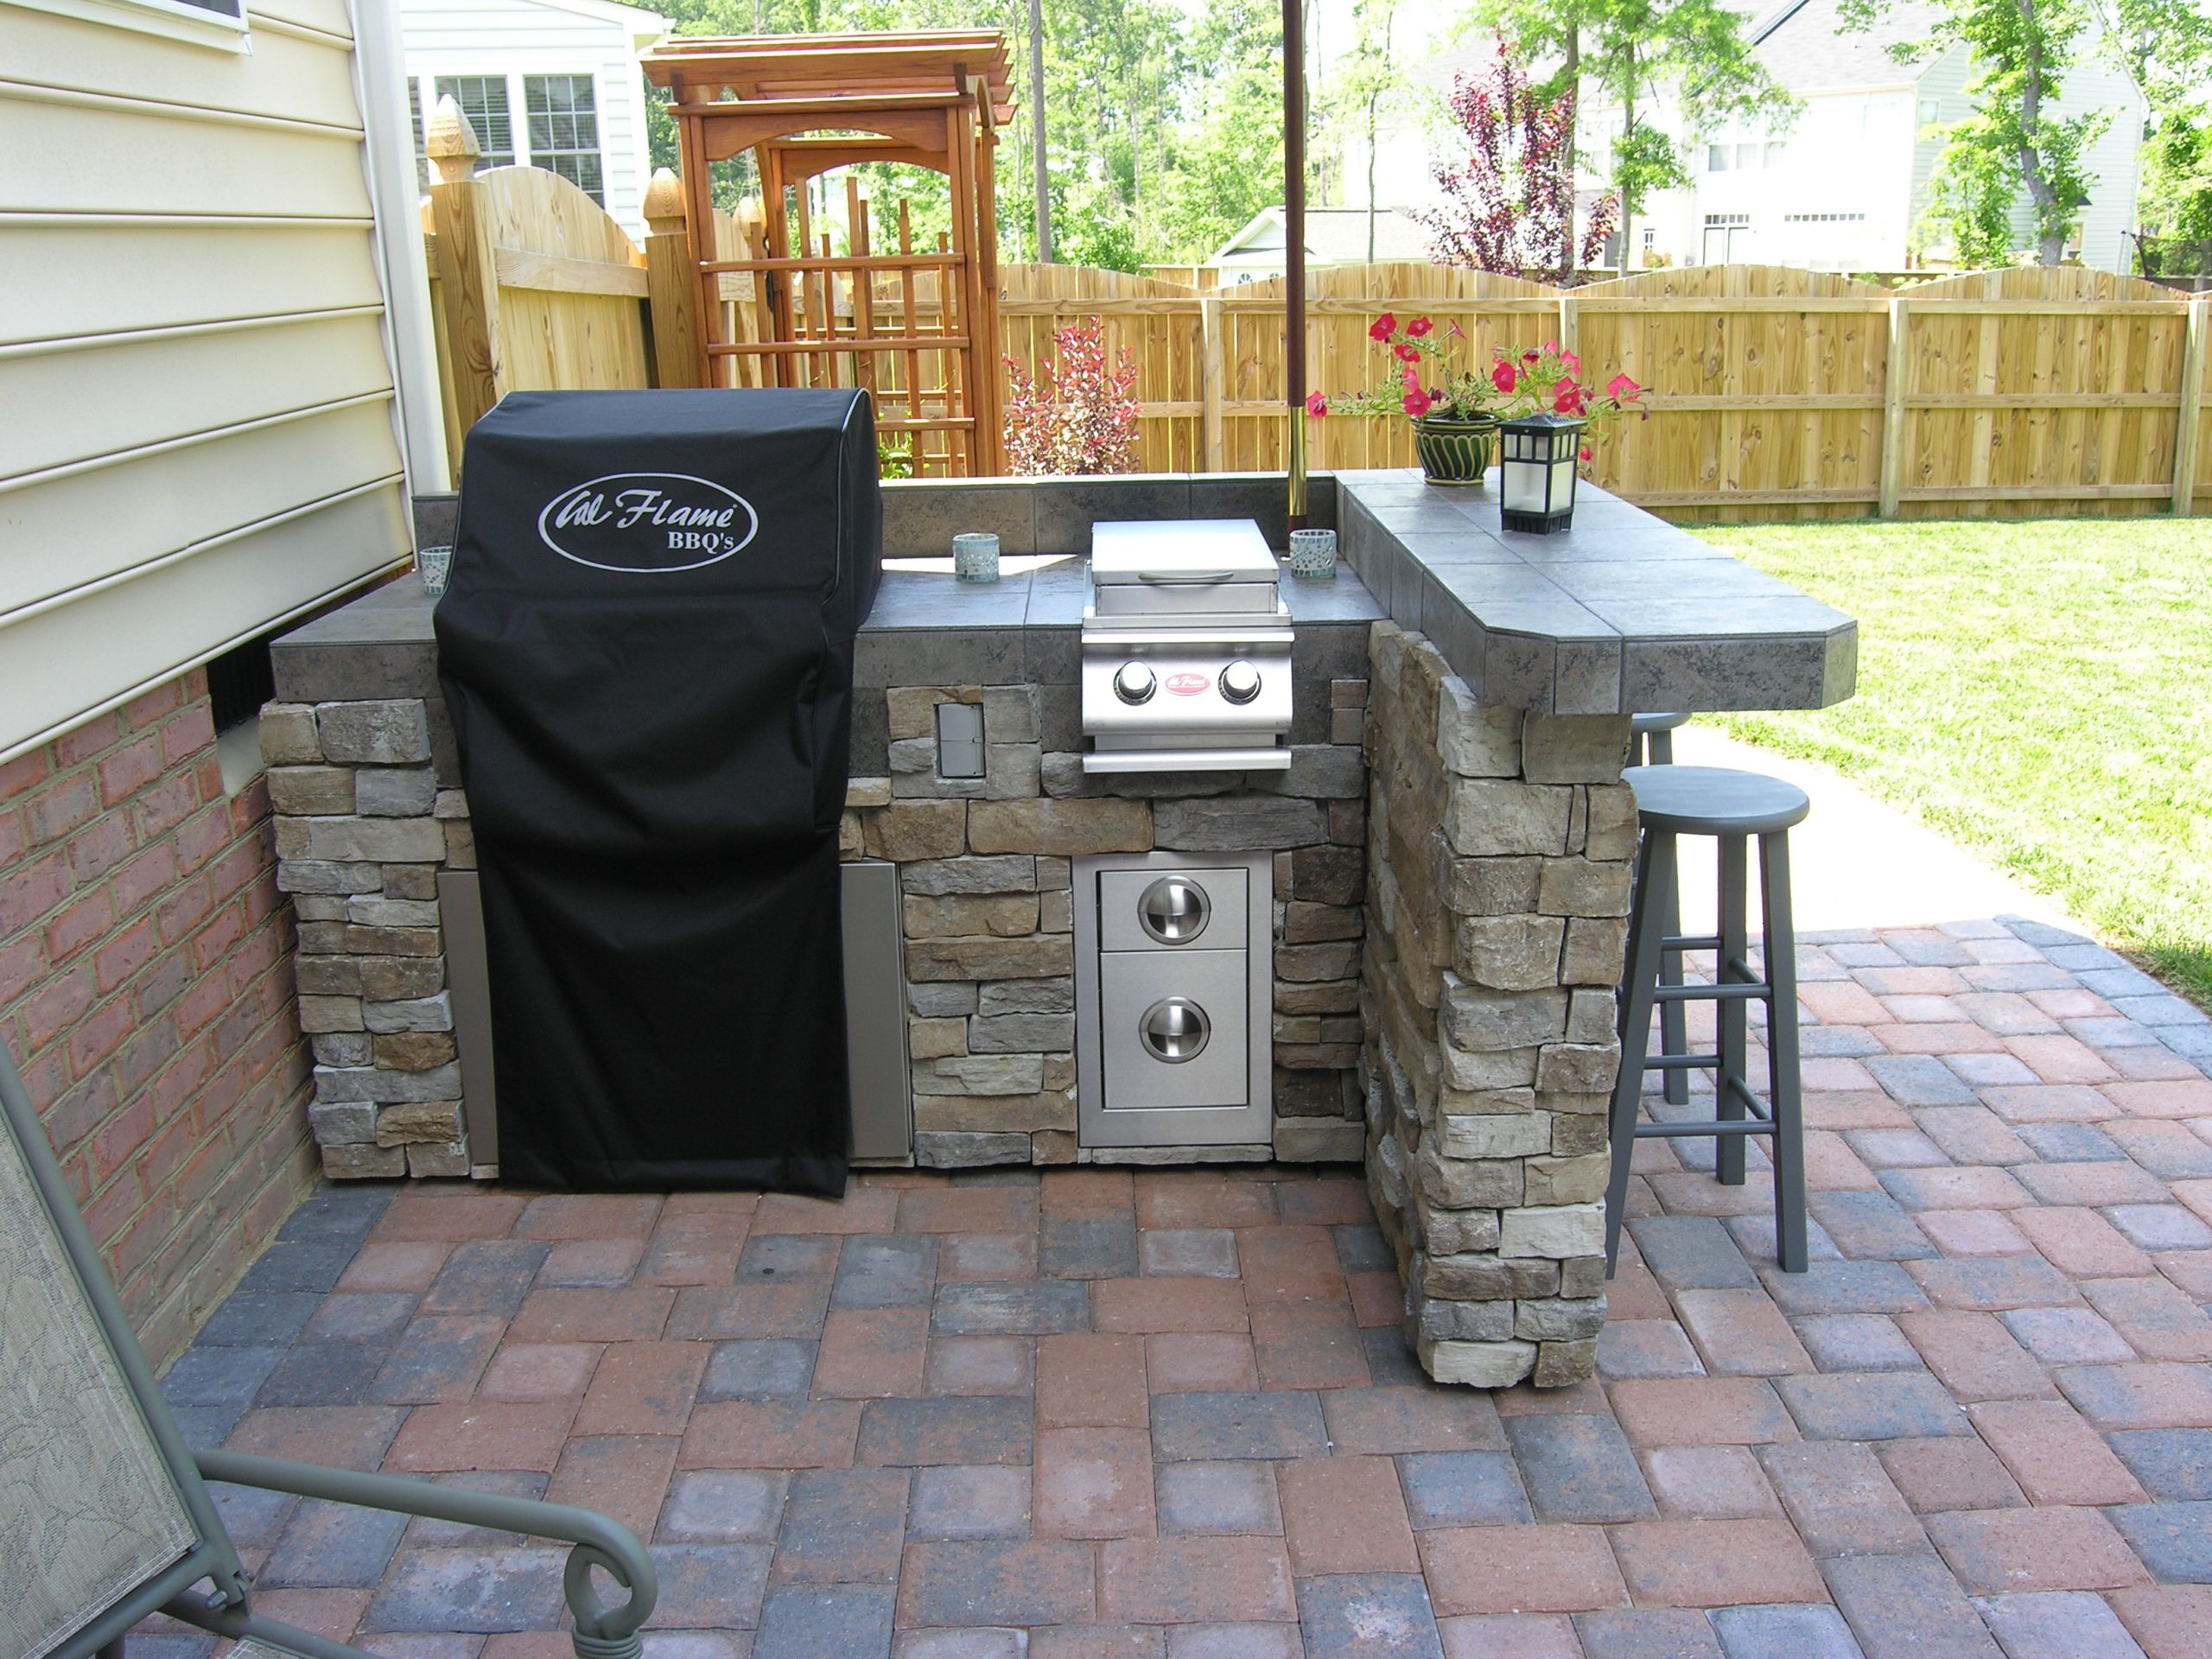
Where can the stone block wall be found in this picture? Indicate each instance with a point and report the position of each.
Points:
(1499, 854)
(985, 870)
(364, 824)
(368, 813)
(146, 994)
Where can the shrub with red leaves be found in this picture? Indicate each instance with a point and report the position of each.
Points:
(1510, 207)
(1079, 416)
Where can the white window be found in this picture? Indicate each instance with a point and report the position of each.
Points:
(564, 122)
(1774, 149)
(220, 23)
(1747, 155)
(483, 99)
(1727, 237)
(1716, 158)
(559, 129)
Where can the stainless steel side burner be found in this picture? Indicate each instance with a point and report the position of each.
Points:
(1186, 649)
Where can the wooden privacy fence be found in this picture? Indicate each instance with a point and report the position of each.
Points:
(1774, 392)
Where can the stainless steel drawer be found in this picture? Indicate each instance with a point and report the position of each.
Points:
(1172, 909)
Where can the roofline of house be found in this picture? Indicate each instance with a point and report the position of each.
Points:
(650, 25)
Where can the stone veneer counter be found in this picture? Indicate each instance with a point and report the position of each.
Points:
(1452, 854)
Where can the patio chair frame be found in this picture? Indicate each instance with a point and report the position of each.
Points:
(225, 1609)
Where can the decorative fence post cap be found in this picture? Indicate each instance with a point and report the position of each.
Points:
(450, 142)
(664, 206)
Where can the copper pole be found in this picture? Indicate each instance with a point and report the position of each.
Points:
(1294, 230)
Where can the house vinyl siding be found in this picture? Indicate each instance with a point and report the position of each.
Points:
(517, 38)
(196, 436)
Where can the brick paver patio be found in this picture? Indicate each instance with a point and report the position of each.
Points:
(1167, 1413)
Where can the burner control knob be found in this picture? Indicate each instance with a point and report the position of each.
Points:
(1239, 682)
(1134, 683)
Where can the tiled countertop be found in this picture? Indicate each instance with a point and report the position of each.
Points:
(1622, 613)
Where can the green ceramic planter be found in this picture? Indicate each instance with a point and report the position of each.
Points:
(1455, 451)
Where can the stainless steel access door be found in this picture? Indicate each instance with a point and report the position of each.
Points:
(1172, 1031)
(1173, 979)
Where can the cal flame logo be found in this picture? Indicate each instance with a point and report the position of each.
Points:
(1188, 684)
(648, 524)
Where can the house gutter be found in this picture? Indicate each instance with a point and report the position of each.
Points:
(403, 269)
(1294, 233)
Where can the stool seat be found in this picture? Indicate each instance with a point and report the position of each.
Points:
(1645, 724)
(1714, 800)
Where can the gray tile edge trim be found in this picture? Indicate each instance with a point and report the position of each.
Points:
(1571, 667)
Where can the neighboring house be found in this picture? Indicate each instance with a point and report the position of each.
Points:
(1334, 236)
(546, 83)
(209, 261)
(1843, 187)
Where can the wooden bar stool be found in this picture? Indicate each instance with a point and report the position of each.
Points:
(1732, 807)
(1651, 742)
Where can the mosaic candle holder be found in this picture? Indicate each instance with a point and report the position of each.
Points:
(435, 566)
(1313, 554)
(976, 555)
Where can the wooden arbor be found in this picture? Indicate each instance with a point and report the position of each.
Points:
(917, 327)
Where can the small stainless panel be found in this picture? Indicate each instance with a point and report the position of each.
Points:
(1123, 895)
(460, 912)
(1172, 1030)
(960, 740)
(875, 1014)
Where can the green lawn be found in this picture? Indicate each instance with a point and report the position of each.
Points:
(2039, 690)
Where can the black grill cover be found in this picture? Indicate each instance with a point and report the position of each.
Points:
(647, 648)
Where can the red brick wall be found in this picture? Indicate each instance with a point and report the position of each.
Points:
(146, 996)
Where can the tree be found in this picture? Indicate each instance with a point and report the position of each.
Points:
(1368, 86)
(1039, 162)
(1509, 205)
(2018, 50)
(1634, 53)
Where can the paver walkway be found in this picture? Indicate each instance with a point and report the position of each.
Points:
(1167, 1413)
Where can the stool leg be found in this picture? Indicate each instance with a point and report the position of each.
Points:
(1730, 1013)
(1674, 1017)
(1663, 747)
(1655, 888)
(1779, 939)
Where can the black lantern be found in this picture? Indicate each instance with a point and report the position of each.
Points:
(1537, 455)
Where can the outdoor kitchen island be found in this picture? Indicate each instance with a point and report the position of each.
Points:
(1445, 860)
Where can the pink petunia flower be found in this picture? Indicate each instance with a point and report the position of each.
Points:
(1623, 390)
(1417, 402)
(1585, 455)
(1568, 399)
(1383, 327)
(1418, 326)
(1317, 405)
(1504, 376)
(1407, 353)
